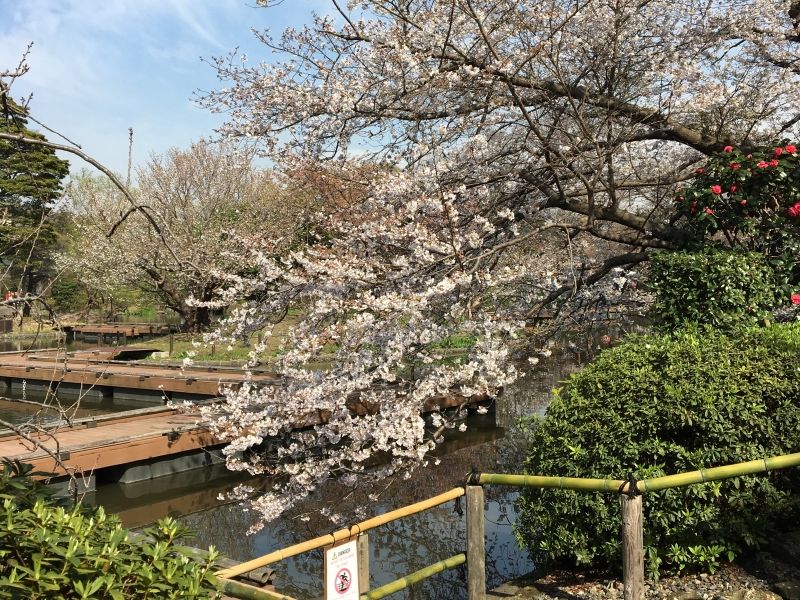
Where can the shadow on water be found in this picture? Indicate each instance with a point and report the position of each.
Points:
(492, 443)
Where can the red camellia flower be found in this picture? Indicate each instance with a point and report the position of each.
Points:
(795, 298)
(762, 164)
(794, 211)
(699, 171)
(743, 202)
(778, 151)
(790, 148)
(774, 162)
(728, 149)
(693, 209)
(716, 189)
(733, 188)
(735, 166)
(709, 211)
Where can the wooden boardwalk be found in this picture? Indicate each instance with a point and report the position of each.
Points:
(88, 373)
(109, 441)
(145, 434)
(130, 330)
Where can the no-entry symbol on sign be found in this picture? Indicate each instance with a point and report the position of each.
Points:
(343, 580)
(341, 572)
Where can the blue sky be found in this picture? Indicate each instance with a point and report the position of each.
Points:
(101, 66)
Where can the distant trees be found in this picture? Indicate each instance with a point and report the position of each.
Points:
(201, 201)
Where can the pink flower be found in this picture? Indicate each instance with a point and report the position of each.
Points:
(699, 171)
(743, 202)
(733, 188)
(709, 211)
(774, 162)
(790, 148)
(716, 189)
(728, 149)
(762, 164)
(794, 211)
(778, 151)
(735, 166)
(795, 298)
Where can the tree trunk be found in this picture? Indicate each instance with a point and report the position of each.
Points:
(196, 318)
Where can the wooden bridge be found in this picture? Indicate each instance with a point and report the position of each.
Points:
(91, 444)
(94, 371)
(118, 331)
(145, 437)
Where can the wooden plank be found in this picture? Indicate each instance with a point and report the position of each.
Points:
(632, 547)
(476, 544)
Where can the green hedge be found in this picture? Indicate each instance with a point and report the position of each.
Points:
(717, 287)
(659, 405)
(52, 550)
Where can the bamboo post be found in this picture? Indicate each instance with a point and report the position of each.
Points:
(632, 547)
(476, 550)
(363, 562)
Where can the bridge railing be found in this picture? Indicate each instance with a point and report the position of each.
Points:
(630, 493)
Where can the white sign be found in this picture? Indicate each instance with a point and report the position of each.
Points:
(341, 572)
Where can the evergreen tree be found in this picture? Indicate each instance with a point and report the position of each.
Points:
(30, 182)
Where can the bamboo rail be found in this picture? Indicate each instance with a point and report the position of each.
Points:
(243, 591)
(342, 534)
(761, 465)
(562, 483)
(415, 577)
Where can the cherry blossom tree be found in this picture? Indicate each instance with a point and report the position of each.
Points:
(498, 125)
(199, 199)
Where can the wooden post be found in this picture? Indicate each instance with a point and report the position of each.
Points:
(363, 563)
(171, 342)
(632, 547)
(476, 549)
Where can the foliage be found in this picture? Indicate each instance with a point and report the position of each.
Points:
(67, 293)
(714, 286)
(72, 552)
(665, 404)
(752, 197)
(30, 182)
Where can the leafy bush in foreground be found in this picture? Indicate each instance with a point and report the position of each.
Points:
(659, 405)
(52, 551)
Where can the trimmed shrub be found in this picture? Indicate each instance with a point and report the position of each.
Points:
(48, 550)
(657, 405)
(721, 288)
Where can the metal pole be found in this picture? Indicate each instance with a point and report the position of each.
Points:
(476, 549)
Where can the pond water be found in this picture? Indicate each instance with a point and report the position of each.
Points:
(491, 444)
